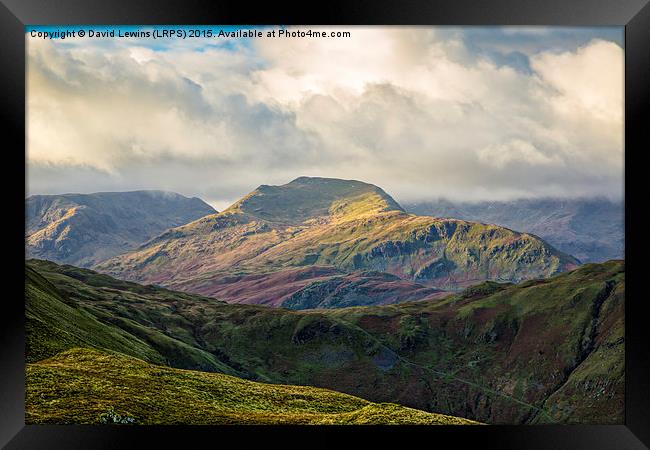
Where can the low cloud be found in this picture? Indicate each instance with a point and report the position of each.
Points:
(516, 152)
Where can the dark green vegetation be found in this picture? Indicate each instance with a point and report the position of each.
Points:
(89, 386)
(55, 322)
(83, 229)
(591, 229)
(539, 351)
(347, 225)
(83, 370)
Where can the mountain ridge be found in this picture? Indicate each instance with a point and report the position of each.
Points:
(351, 226)
(591, 229)
(84, 229)
(311, 198)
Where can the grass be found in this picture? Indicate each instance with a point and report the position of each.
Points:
(81, 386)
(56, 321)
(79, 370)
(52, 326)
(314, 197)
(526, 353)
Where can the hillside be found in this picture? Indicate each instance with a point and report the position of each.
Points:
(592, 230)
(312, 287)
(83, 229)
(54, 322)
(84, 370)
(83, 386)
(348, 225)
(540, 351)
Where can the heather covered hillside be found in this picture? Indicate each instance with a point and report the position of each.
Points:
(312, 287)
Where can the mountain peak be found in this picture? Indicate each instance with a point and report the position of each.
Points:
(82, 229)
(308, 198)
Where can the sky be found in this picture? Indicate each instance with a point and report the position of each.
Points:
(468, 114)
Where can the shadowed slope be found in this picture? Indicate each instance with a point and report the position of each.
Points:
(52, 325)
(83, 229)
(57, 321)
(312, 287)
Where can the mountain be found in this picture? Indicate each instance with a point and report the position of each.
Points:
(83, 229)
(348, 225)
(541, 351)
(307, 198)
(96, 387)
(592, 230)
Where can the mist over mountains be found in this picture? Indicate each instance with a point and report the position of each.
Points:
(591, 229)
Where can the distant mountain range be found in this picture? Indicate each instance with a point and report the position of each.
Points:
(346, 225)
(83, 229)
(592, 230)
(320, 242)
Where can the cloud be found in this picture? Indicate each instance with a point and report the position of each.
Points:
(417, 111)
(514, 152)
(589, 82)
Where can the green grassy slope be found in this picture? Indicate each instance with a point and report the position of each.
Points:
(346, 224)
(540, 351)
(56, 322)
(53, 326)
(597, 382)
(84, 386)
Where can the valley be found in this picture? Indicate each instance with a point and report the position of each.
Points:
(537, 352)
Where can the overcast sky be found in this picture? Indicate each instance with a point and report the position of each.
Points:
(464, 113)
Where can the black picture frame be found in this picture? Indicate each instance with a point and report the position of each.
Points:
(634, 15)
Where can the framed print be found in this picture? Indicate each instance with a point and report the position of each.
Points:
(365, 218)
